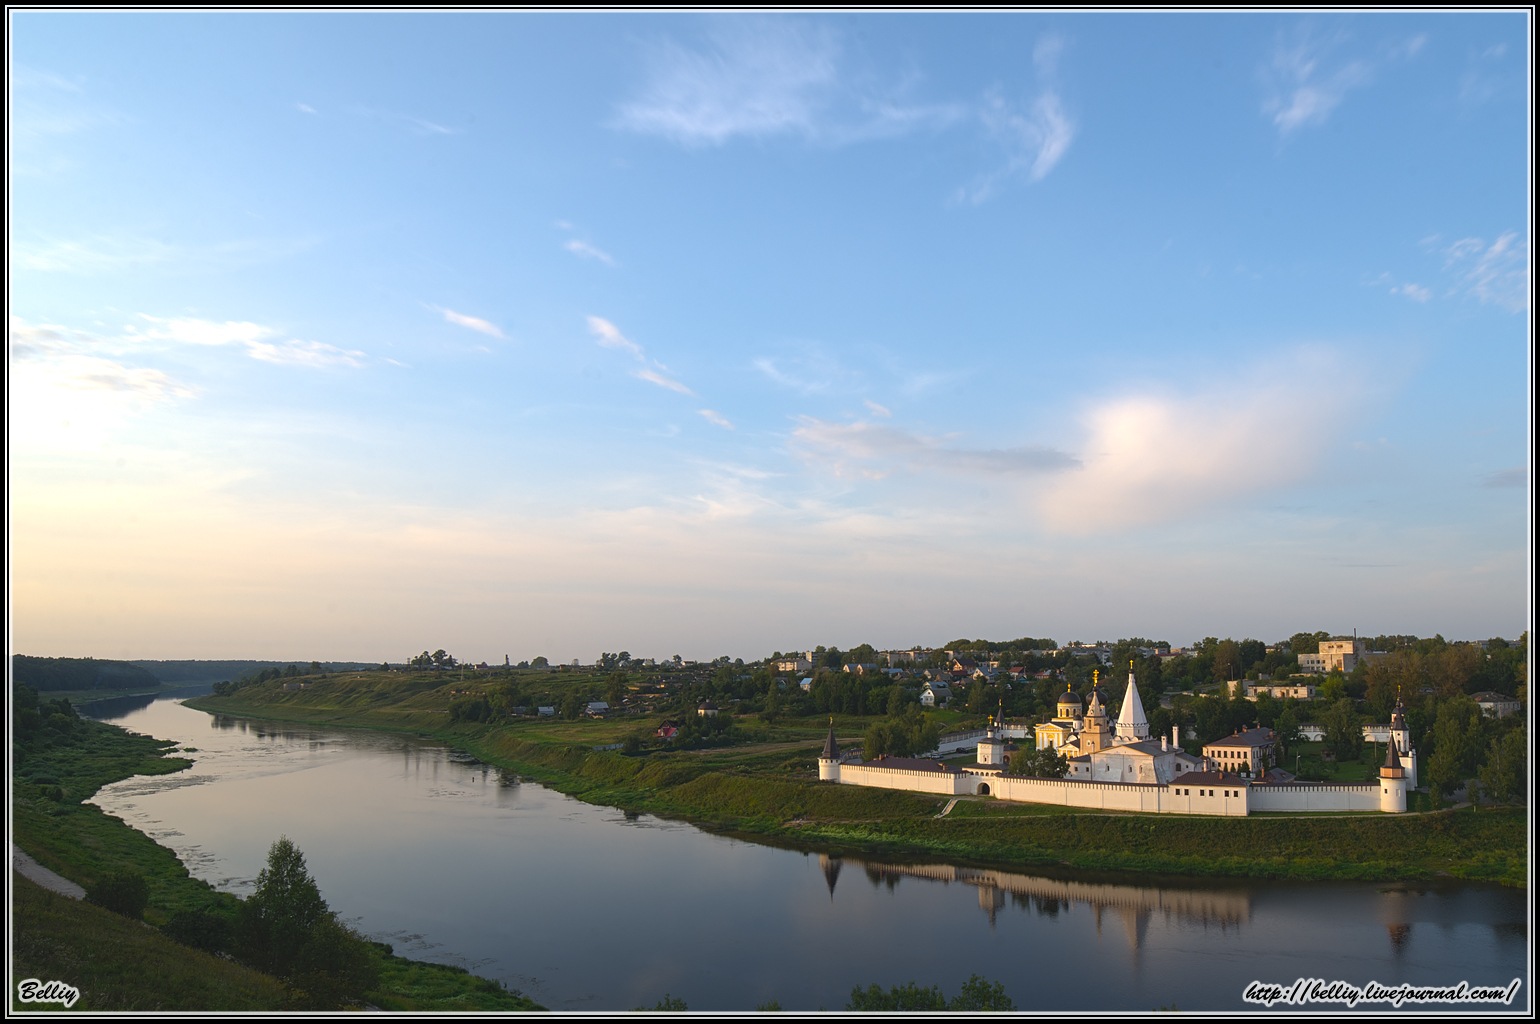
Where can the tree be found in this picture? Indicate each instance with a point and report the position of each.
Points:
(1045, 763)
(1456, 742)
(1344, 731)
(977, 993)
(277, 918)
(539, 662)
(286, 929)
(980, 993)
(1502, 777)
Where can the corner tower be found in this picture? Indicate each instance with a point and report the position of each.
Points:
(829, 760)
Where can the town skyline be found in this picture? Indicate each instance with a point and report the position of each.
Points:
(547, 333)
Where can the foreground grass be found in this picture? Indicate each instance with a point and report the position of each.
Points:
(130, 965)
(768, 790)
(119, 964)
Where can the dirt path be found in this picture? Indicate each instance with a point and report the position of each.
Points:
(42, 876)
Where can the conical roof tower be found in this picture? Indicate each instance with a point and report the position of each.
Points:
(1132, 725)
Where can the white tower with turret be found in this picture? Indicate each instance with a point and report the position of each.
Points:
(1401, 739)
(829, 760)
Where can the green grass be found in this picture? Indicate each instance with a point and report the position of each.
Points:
(118, 964)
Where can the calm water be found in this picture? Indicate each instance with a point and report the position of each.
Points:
(584, 908)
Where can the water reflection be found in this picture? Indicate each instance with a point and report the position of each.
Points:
(1131, 904)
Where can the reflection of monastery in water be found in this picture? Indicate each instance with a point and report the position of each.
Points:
(1132, 906)
(1120, 768)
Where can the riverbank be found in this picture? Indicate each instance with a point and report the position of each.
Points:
(59, 762)
(769, 791)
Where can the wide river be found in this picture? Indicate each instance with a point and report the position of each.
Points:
(586, 908)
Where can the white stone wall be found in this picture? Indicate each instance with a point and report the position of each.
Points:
(945, 783)
(1358, 796)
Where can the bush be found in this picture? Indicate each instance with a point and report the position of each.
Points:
(123, 892)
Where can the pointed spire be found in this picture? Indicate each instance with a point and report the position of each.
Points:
(1132, 725)
(831, 749)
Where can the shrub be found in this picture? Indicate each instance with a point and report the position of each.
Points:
(123, 892)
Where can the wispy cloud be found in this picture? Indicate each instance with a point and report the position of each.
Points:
(587, 251)
(258, 340)
(315, 354)
(1513, 476)
(873, 450)
(609, 336)
(46, 105)
(1302, 88)
(1415, 292)
(1306, 79)
(780, 76)
(1157, 457)
(472, 323)
(772, 76)
(1497, 273)
(712, 416)
(102, 254)
(877, 410)
(654, 377)
(411, 122)
(753, 77)
(1035, 138)
(305, 108)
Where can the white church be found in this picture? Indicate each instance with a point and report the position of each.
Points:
(1119, 767)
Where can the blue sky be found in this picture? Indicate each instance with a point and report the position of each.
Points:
(347, 335)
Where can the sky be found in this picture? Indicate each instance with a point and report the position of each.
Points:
(350, 335)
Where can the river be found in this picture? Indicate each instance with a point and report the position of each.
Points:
(588, 908)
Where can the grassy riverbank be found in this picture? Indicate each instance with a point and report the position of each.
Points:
(769, 790)
(122, 964)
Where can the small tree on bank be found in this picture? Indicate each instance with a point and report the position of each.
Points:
(286, 929)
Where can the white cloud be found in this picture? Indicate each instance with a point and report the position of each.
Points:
(474, 323)
(863, 448)
(712, 416)
(1497, 274)
(304, 108)
(1157, 457)
(193, 331)
(1415, 292)
(610, 337)
(593, 252)
(877, 410)
(653, 377)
